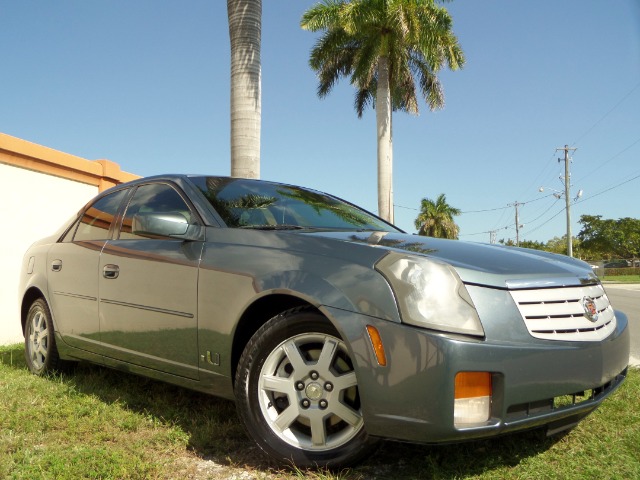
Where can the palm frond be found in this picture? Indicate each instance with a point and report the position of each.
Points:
(363, 98)
(436, 218)
(414, 36)
(322, 16)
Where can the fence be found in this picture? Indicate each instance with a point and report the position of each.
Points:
(41, 188)
(615, 267)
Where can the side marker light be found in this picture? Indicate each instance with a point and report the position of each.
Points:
(376, 343)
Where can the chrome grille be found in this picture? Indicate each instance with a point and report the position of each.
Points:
(560, 314)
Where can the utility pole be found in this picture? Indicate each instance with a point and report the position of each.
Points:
(567, 198)
(516, 204)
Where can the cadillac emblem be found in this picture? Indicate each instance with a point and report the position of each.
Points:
(590, 310)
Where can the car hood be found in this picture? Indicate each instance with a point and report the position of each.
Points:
(482, 264)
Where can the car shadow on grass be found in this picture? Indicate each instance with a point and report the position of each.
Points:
(215, 432)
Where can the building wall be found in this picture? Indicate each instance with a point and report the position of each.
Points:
(40, 188)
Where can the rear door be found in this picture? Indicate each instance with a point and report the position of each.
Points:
(73, 272)
(148, 288)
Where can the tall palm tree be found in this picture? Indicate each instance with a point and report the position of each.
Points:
(245, 29)
(436, 218)
(384, 47)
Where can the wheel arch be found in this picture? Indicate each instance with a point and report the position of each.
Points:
(281, 292)
(257, 314)
(30, 296)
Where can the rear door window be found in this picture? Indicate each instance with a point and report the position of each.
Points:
(96, 220)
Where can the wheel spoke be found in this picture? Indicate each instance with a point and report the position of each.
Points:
(318, 431)
(287, 417)
(36, 358)
(295, 358)
(278, 384)
(37, 322)
(347, 414)
(326, 357)
(345, 381)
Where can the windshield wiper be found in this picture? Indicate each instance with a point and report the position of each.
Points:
(282, 226)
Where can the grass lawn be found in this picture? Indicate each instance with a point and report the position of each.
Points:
(97, 423)
(621, 278)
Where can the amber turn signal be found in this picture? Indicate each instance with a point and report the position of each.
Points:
(376, 343)
(473, 384)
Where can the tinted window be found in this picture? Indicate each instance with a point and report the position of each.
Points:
(152, 199)
(97, 219)
(254, 204)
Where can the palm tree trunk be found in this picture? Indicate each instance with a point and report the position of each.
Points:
(245, 24)
(385, 150)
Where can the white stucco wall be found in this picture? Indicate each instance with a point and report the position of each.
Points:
(32, 205)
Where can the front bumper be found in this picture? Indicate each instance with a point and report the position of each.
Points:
(535, 382)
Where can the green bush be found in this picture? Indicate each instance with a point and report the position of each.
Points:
(611, 272)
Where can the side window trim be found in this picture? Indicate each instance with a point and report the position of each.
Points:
(67, 235)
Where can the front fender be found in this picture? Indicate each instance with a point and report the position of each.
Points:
(348, 287)
(241, 286)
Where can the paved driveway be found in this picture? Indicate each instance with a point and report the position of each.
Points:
(626, 297)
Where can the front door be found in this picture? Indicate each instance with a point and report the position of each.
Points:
(148, 289)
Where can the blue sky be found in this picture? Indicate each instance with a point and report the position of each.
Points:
(146, 84)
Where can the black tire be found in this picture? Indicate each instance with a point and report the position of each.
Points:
(40, 349)
(297, 394)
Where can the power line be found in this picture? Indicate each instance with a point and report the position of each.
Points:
(485, 210)
(530, 231)
(544, 213)
(546, 167)
(606, 114)
(612, 158)
(505, 227)
(587, 132)
(406, 208)
(582, 201)
(547, 221)
(484, 233)
(608, 189)
(543, 172)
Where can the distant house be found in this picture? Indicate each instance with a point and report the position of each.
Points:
(40, 188)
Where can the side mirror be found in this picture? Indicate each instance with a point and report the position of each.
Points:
(159, 225)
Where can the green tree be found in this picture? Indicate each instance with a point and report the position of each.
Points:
(384, 47)
(508, 242)
(532, 244)
(436, 218)
(245, 25)
(610, 238)
(559, 245)
(627, 240)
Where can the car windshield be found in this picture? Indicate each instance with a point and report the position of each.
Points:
(244, 203)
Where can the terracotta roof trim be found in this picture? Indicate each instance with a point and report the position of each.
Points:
(31, 156)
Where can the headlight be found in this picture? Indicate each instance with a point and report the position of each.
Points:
(430, 294)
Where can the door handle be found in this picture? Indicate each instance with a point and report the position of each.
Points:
(111, 271)
(56, 265)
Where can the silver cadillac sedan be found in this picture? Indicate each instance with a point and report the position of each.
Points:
(329, 327)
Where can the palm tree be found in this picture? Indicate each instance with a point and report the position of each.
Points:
(245, 24)
(436, 218)
(384, 47)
